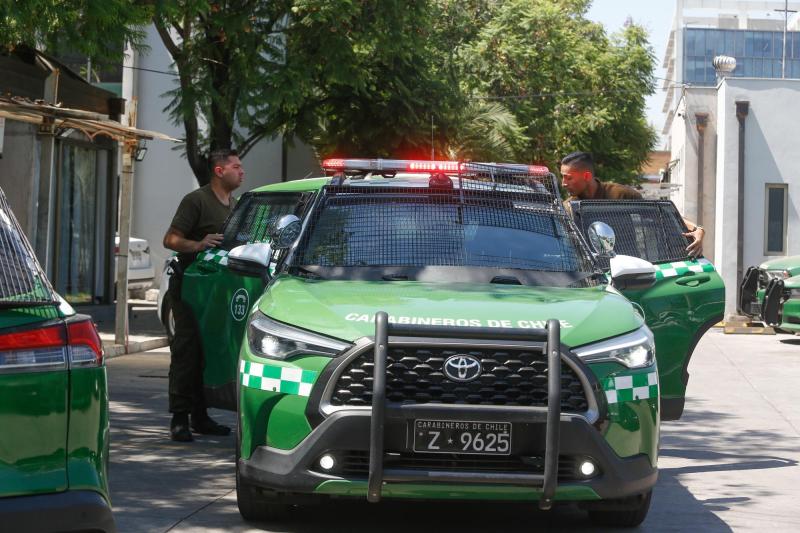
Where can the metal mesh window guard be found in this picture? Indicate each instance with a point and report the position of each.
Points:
(253, 216)
(488, 218)
(22, 280)
(649, 229)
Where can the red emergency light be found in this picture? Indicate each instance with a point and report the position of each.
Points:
(422, 166)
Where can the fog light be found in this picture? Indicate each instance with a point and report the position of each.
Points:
(587, 468)
(327, 462)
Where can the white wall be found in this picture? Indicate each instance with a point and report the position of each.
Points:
(771, 148)
(164, 177)
(684, 139)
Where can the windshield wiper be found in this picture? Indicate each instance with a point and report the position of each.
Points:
(394, 277)
(307, 273)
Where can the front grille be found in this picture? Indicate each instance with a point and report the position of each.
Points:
(755, 308)
(355, 463)
(414, 375)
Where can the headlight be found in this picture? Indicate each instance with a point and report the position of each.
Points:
(778, 274)
(272, 339)
(634, 350)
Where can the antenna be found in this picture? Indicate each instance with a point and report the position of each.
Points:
(432, 149)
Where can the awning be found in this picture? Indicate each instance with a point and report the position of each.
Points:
(91, 124)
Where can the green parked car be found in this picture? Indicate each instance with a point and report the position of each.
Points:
(444, 331)
(53, 401)
(770, 293)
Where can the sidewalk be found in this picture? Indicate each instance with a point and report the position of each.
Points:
(145, 331)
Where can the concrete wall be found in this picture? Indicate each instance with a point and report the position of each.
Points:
(164, 177)
(19, 170)
(684, 144)
(771, 149)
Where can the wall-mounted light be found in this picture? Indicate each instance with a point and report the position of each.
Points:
(141, 150)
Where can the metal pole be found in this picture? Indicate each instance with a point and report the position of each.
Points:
(786, 12)
(125, 199)
(785, 26)
(375, 479)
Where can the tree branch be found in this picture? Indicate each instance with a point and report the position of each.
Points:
(166, 38)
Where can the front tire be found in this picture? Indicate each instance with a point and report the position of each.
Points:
(628, 517)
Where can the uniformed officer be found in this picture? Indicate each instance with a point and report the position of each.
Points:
(577, 176)
(196, 227)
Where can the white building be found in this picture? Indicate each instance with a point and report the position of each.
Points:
(740, 127)
(164, 176)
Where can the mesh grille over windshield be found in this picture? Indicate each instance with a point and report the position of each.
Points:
(255, 213)
(22, 281)
(488, 218)
(649, 229)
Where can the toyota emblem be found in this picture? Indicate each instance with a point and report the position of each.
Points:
(462, 368)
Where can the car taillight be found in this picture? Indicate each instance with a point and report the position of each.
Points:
(85, 346)
(33, 349)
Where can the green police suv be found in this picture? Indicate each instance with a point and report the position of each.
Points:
(53, 401)
(445, 330)
(770, 292)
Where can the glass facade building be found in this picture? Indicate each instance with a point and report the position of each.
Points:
(758, 53)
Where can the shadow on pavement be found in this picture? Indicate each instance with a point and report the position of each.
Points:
(156, 482)
(158, 485)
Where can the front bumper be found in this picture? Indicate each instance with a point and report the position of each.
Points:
(74, 510)
(289, 474)
(373, 447)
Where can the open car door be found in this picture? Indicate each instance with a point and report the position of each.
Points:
(688, 296)
(221, 300)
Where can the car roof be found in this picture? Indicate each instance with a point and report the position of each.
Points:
(400, 180)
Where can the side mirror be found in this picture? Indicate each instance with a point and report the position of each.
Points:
(284, 232)
(250, 260)
(602, 239)
(632, 273)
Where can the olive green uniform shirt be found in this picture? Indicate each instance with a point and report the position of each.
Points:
(608, 190)
(200, 213)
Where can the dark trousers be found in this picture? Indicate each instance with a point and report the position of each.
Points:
(186, 357)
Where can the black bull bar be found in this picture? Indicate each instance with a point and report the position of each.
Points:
(551, 336)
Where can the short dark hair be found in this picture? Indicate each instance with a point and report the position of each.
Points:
(220, 157)
(582, 160)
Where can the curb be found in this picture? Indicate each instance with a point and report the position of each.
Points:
(112, 350)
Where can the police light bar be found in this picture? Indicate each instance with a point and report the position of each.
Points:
(407, 165)
(393, 165)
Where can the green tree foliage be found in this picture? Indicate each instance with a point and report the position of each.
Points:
(350, 77)
(227, 54)
(570, 86)
(98, 29)
(359, 80)
(524, 80)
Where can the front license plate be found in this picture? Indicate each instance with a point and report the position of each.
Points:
(458, 436)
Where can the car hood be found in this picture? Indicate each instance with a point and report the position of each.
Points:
(792, 283)
(346, 309)
(790, 263)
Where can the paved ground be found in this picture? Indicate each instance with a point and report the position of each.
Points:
(730, 464)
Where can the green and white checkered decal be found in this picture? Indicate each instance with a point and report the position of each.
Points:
(277, 378)
(631, 387)
(214, 255)
(679, 268)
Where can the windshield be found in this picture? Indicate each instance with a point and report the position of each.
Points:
(22, 282)
(358, 227)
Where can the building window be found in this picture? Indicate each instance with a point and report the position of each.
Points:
(775, 218)
(759, 54)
